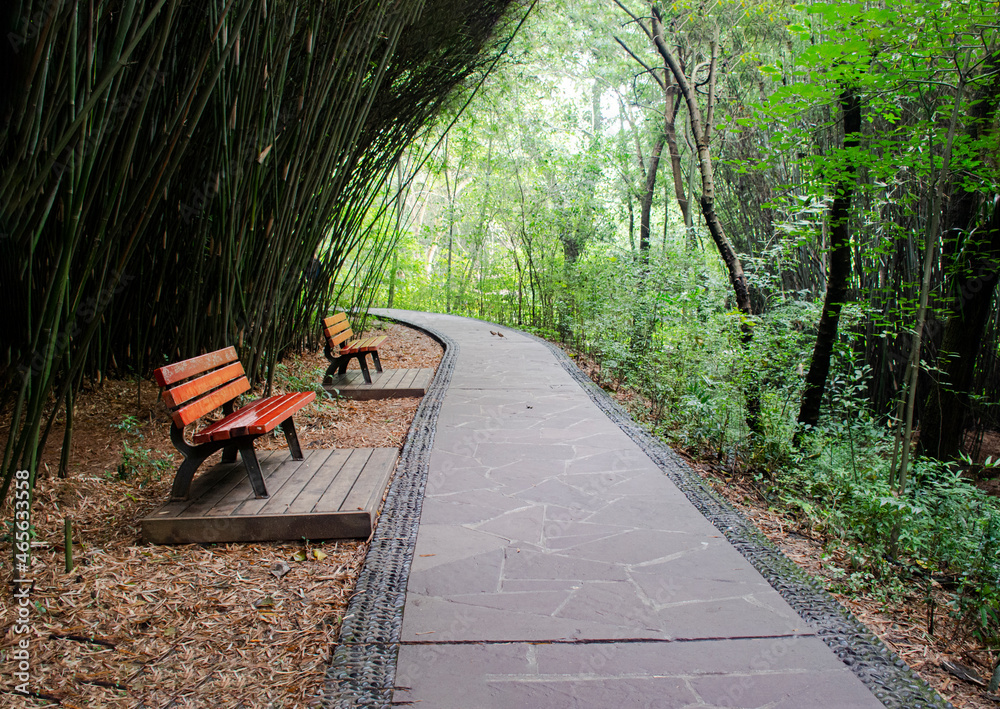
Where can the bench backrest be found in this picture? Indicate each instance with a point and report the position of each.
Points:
(202, 384)
(337, 330)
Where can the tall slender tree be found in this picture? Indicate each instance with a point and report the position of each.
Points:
(973, 240)
(838, 262)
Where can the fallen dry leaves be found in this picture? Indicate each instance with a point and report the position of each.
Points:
(197, 625)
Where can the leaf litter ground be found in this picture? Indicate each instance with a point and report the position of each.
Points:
(137, 625)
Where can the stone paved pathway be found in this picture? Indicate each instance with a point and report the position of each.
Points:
(556, 566)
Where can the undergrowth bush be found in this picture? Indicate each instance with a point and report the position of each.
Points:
(137, 461)
(942, 528)
(668, 330)
(695, 375)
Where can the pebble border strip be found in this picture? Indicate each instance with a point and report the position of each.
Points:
(363, 667)
(888, 677)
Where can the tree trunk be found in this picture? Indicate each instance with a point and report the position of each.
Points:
(838, 269)
(702, 132)
(631, 219)
(646, 204)
(642, 320)
(676, 168)
(392, 277)
(943, 423)
(948, 407)
(904, 435)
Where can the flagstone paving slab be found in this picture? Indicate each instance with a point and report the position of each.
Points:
(791, 673)
(557, 566)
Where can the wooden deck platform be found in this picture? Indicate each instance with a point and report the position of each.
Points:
(388, 384)
(331, 494)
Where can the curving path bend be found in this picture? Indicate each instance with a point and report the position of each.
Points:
(557, 565)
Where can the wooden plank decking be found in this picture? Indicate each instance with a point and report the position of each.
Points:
(388, 384)
(331, 494)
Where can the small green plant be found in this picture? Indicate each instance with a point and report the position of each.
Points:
(129, 426)
(981, 471)
(285, 378)
(140, 463)
(137, 462)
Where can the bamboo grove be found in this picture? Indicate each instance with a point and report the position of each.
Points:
(178, 176)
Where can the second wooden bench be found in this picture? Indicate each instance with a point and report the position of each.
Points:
(342, 347)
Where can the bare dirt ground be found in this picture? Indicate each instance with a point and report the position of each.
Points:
(903, 624)
(139, 625)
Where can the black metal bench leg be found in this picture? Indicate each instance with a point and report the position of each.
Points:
(249, 457)
(336, 370)
(364, 368)
(377, 361)
(293, 439)
(229, 453)
(182, 479)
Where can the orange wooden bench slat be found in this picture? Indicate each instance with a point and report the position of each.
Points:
(367, 344)
(173, 373)
(265, 410)
(262, 416)
(335, 327)
(192, 412)
(343, 337)
(194, 388)
(369, 341)
(221, 430)
(336, 324)
(270, 420)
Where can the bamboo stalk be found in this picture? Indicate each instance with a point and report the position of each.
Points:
(68, 542)
(178, 165)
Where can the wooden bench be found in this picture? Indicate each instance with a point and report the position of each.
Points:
(339, 336)
(200, 385)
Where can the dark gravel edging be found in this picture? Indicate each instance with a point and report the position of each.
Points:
(363, 667)
(886, 674)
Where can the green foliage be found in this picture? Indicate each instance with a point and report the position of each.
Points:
(531, 217)
(306, 380)
(943, 526)
(137, 462)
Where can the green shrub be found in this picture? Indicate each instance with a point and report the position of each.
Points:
(137, 462)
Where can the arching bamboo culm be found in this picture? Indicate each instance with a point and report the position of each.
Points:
(177, 177)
